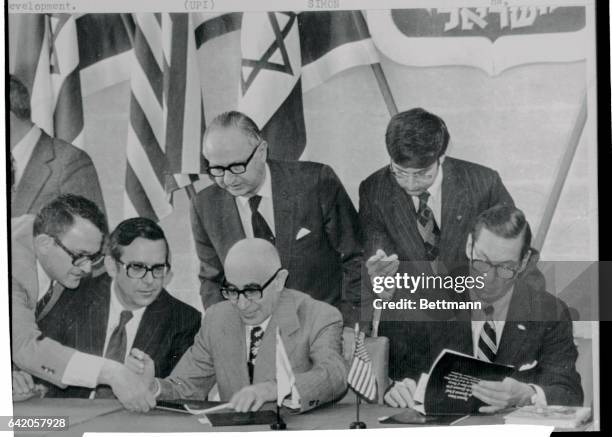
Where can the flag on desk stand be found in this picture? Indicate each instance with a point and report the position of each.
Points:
(284, 379)
(361, 377)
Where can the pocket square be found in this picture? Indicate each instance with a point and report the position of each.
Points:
(302, 233)
(528, 366)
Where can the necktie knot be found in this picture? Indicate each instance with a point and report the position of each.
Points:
(125, 317)
(254, 202)
(424, 197)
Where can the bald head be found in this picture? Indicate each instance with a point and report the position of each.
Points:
(253, 263)
(251, 260)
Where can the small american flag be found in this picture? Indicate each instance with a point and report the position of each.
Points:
(361, 378)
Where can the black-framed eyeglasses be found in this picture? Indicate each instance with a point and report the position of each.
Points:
(502, 271)
(79, 259)
(137, 270)
(250, 291)
(424, 174)
(218, 171)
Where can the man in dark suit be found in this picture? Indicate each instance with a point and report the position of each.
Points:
(518, 325)
(236, 347)
(127, 308)
(418, 209)
(45, 167)
(301, 207)
(51, 254)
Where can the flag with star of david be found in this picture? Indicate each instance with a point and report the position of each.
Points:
(285, 54)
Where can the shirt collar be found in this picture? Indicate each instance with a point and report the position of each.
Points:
(263, 325)
(44, 281)
(115, 303)
(22, 152)
(265, 190)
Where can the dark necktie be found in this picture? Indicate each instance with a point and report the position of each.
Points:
(487, 343)
(115, 350)
(117, 344)
(428, 228)
(256, 335)
(260, 227)
(42, 303)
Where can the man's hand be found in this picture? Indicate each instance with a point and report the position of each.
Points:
(500, 395)
(141, 364)
(400, 395)
(131, 389)
(252, 397)
(380, 264)
(24, 387)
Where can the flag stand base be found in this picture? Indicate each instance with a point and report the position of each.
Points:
(357, 425)
(279, 426)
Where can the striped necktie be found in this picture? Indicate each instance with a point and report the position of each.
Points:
(256, 335)
(487, 343)
(44, 301)
(428, 228)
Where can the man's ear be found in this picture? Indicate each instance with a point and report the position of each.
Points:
(281, 278)
(525, 260)
(111, 266)
(264, 150)
(42, 243)
(468, 246)
(167, 278)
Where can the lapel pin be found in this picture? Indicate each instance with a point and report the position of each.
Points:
(459, 217)
(521, 327)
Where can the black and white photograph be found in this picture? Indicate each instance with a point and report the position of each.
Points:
(223, 216)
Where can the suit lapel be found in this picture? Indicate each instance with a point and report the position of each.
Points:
(96, 323)
(228, 221)
(36, 173)
(152, 327)
(285, 318)
(516, 331)
(283, 204)
(56, 293)
(402, 217)
(232, 353)
(454, 209)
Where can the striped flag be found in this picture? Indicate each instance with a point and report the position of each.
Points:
(47, 62)
(361, 377)
(285, 379)
(285, 54)
(166, 113)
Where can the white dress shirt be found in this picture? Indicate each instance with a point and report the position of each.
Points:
(22, 152)
(84, 369)
(265, 208)
(435, 197)
(44, 281)
(500, 312)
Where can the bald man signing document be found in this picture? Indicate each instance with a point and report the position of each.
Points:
(236, 346)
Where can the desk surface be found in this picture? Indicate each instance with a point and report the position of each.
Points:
(107, 415)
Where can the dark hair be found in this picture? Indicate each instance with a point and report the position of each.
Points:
(128, 230)
(19, 99)
(416, 138)
(58, 216)
(238, 120)
(504, 221)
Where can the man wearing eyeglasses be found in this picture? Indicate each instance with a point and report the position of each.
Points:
(301, 207)
(236, 345)
(127, 308)
(51, 254)
(517, 325)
